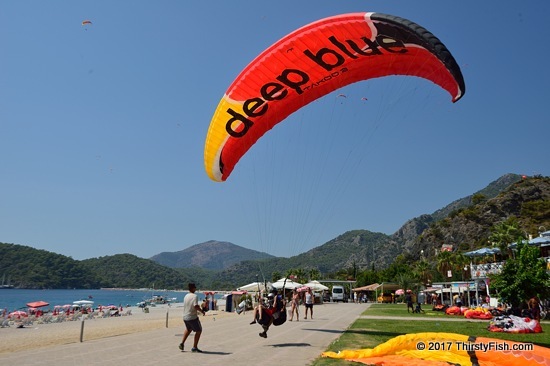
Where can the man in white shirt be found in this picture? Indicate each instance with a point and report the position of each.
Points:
(191, 309)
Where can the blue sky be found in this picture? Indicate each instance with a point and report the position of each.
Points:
(103, 126)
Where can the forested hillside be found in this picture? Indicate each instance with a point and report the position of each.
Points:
(524, 204)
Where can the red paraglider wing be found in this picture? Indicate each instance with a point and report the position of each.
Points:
(314, 61)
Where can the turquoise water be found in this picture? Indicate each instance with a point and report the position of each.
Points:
(14, 299)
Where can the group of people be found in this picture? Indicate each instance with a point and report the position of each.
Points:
(297, 298)
(271, 311)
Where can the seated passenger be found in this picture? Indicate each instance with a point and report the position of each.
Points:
(263, 313)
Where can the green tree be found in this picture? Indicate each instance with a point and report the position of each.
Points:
(407, 282)
(400, 266)
(460, 262)
(522, 277)
(478, 198)
(314, 274)
(444, 262)
(275, 276)
(423, 271)
(505, 233)
(300, 274)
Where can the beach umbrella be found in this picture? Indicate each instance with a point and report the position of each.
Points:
(37, 304)
(482, 252)
(316, 286)
(540, 240)
(83, 302)
(289, 285)
(17, 314)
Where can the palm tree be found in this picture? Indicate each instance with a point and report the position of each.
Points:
(406, 282)
(423, 271)
(505, 233)
(444, 262)
(314, 274)
(460, 262)
(300, 275)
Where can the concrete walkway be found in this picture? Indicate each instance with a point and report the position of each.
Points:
(226, 340)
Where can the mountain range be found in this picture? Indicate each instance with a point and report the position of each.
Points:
(464, 224)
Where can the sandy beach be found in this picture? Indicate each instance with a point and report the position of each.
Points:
(46, 335)
(143, 339)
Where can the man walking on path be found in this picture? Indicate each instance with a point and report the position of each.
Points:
(191, 308)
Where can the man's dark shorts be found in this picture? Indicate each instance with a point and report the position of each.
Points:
(193, 325)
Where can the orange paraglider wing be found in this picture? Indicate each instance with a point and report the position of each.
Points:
(86, 22)
(314, 61)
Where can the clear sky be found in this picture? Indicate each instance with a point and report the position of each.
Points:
(102, 126)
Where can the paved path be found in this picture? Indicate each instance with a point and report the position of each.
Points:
(228, 340)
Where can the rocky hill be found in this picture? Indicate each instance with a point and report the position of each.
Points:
(466, 224)
(216, 255)
(527, 200)
(407, 236)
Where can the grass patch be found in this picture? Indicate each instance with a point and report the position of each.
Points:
(400, 310)
(368, 333)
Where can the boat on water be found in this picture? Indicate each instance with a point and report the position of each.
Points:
(156, 300)
(5, 285)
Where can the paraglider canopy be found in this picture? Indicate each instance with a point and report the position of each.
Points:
(313, 61)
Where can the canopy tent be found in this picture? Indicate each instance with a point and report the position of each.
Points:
(372, 287)
(255, 287)
(379, 288)
(384, 287)
(37, 304)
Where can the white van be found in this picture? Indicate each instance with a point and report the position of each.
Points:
(338, 293)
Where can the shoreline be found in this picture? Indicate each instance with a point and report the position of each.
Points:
(38, 336)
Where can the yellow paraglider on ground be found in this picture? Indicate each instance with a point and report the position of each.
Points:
(447, 348)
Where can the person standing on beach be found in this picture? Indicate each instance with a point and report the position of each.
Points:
(191, 309)
(309, 303)
(295, 305)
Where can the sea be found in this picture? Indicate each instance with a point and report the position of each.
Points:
(16, 299)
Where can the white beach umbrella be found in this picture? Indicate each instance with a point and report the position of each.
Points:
(289, 285)
(316, 286)
(83, 302)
